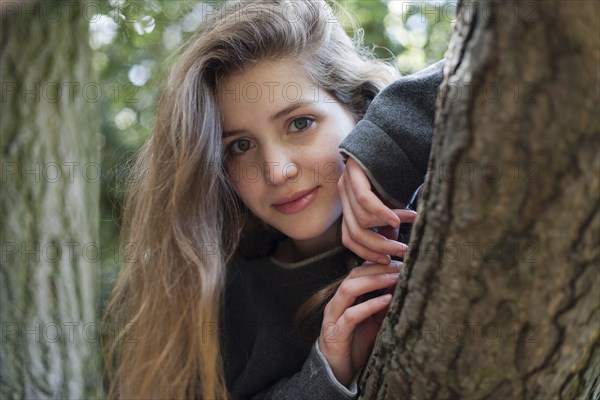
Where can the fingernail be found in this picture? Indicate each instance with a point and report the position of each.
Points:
(402, 251)
(407, 211)
(392, 276)
(385, 298)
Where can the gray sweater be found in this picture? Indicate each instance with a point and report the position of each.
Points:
(264, 357)
(393, 140)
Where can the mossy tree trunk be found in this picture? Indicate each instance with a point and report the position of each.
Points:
(501, 297)
(49, 209)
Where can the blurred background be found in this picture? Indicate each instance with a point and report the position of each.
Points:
(134, 44)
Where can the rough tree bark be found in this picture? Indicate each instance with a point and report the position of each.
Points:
(501, 297)
(49, 208)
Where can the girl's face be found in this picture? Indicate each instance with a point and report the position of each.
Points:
(281, 138)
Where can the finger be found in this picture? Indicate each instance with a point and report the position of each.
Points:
(347, 240)
(368, 268)
(406, 216)
(352, 288)
(368, 210)
(354, 237)
(351, 209)
(341, 185)
(360, 250)
(373, 242)
(349, 205)
(371, 210)
(353, 316)
(364, 217)
(361, 187)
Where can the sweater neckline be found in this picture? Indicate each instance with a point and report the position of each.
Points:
(307, 261)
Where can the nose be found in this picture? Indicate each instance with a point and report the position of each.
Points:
(278, 166)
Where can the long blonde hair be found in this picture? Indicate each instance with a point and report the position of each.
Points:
(182, 219)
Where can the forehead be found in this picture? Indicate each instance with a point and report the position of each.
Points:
(277, 70)
(266, 83)
(286, 71)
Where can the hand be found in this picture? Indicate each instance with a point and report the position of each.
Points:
(349, 330)
(362, 211)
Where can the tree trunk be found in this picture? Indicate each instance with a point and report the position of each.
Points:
(502, 280)
(49, 206)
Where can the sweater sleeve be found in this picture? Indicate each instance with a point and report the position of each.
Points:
(393, 140)
(314, 381)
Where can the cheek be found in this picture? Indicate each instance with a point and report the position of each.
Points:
(332, 162)
(245, 191)
(251, 197)
(243, 181)
(339, 134)
(334, 167)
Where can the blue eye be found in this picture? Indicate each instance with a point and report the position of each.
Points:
(300, 124)
(239, 147)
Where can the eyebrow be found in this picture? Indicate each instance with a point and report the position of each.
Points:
(279, 114)
(289, 109)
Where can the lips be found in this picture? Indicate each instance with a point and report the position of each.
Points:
(296, 202)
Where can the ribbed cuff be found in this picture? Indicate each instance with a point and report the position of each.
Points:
(352, 390)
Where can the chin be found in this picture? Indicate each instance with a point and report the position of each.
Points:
(310, 231)
(302, 233)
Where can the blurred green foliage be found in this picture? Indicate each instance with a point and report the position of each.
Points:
(134, 43)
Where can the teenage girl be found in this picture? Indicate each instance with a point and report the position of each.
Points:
(234, 220)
